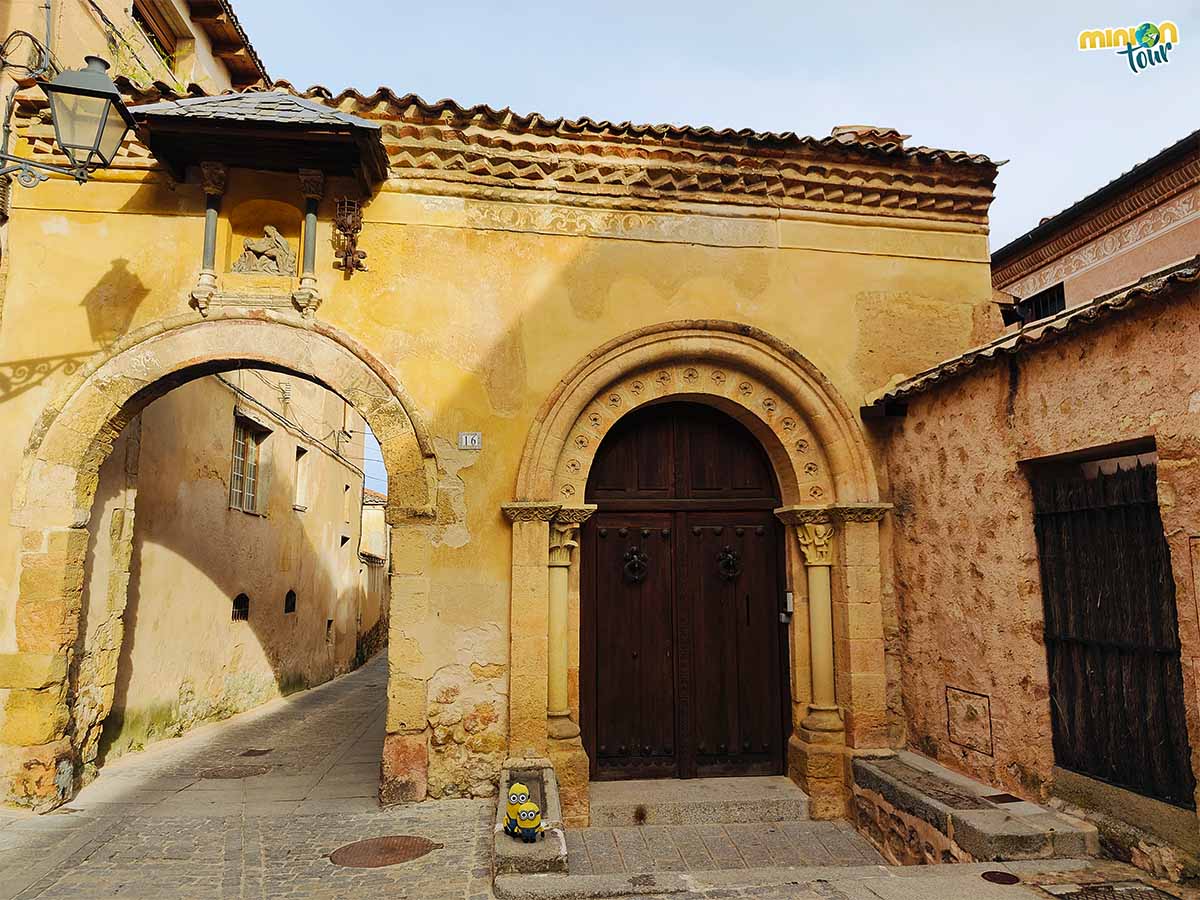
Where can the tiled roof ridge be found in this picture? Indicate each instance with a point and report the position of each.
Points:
(447, 111)
(194, 106)
(1156, 286)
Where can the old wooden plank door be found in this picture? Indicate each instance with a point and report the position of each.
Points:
(1112, 638)
(682, 653)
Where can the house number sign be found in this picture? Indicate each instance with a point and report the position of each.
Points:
(470, 440)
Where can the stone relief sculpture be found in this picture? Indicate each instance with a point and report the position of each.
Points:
(268, 255)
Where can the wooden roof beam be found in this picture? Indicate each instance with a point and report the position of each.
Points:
(208, 12)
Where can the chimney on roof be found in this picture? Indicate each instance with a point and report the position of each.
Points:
(868, 134)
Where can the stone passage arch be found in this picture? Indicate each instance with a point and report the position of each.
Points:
(53, 497)
(828, 484)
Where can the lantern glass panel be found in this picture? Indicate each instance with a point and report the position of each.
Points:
(77, 121)
(111, 136)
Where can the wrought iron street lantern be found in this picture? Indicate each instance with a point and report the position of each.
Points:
(90, 121)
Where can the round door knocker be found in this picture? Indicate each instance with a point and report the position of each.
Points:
(729, 563)
(635, 565)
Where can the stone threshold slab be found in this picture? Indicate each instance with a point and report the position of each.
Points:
(697, 801)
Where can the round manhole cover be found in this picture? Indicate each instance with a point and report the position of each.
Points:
(234, 771)
(1000, 877)
(382, 851)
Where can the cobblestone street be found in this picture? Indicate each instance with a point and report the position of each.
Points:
(159, 824)
(153, 826)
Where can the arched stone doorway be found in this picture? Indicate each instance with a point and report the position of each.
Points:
(53, 498)
(830, 506)
(682, 645)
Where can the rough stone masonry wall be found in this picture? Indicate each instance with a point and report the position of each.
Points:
(973, 661)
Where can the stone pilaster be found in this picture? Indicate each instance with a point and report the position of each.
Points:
(566, 748)
(529, 627)
(818, 750)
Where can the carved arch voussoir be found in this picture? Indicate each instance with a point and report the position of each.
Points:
(800, 463)
(810, 433)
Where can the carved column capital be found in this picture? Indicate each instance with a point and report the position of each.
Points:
(564, 532)
(530, 510)
(816, 543)
(564, 539)
(213, 178)
(312, 184)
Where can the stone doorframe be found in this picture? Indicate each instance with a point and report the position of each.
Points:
(831, 505)
(53, 497)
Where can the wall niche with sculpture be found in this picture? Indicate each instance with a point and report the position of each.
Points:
(259, 243)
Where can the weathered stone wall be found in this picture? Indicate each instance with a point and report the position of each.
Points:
(973, 661)
(160, 652)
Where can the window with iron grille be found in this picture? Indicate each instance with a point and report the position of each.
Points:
(1042, 305)
(241, 608)
(245, 477)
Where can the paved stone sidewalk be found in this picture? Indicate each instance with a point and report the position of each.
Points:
(684, 848)
(153, 827)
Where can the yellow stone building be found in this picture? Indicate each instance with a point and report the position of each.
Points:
(531, 285)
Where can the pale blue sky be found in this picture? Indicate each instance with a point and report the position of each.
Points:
(1001, 79)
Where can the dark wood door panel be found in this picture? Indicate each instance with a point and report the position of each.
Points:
(730, 582)
(681, 671)
(633, 685)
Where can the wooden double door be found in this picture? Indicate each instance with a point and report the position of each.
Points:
(683, 649)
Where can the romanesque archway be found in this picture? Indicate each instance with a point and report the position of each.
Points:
(828, 485)
(53, 497)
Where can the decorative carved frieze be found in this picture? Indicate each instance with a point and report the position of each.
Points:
(575, 514)
(832, 514)
(1141, 213)
(1182, 209)
(530, 511)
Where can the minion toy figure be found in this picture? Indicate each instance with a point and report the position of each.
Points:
(529, 821)
(517, 794)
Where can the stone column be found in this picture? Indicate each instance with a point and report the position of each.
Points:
(564, 540)
(529, 628)
(816, 543)
(565, 747)
(816, 751)
(307, 297)
(840, 549)
(213, 178)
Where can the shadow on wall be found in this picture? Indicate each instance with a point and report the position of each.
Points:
(110, 305)
(238, 664)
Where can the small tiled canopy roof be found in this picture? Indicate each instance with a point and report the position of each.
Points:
(374, 498)
(262, 130)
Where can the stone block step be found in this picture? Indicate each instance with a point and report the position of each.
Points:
(908, 793)
(698, 801)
